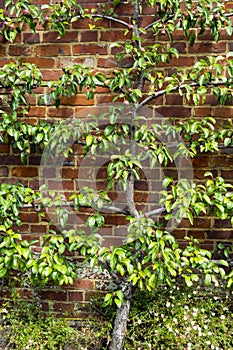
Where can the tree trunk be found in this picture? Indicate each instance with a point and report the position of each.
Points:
(120, 327)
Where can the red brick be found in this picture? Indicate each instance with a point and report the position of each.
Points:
(227, 174)
(202, 111)
(53, 50)
(88, 36)
(65, 185)
(23, 171)
(4, 61)
(63, 307)
(220, 234)
(29, 217)
(53, 295)
(180, 46)
(30, 237)
(174, 99)
(141, 197)
(2, 51)
(52, 37)
(198, 234)
(38, 112)
(115, 220)
(224, 112)
(41, 62)
(218, 223)
(60, 112)
(107, 62)
(80, 49)
(208, 47)
(221, 161)
(24, 229)
(34, 184)
(77, 100)
(84, 284)
(200, 161)
(174, 112)
(4, 171)
(31, 38)
(49, 172)
(19, 50)
(38, 229)
(69, 173)
(49, 75)
(75, 296)
(182, 61)
(34, 159)
(113, 241)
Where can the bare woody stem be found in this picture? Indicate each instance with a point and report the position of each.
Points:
(130, 183)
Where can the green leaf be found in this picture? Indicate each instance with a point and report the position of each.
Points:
(89, 140)
(116, 2)
(118, 302)
(3, 272)
(39, 137)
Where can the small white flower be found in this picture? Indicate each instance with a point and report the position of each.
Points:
(222, 317)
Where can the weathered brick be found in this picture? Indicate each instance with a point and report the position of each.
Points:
(53, 50)
(19, 50)
(31, 38)
(63, 307)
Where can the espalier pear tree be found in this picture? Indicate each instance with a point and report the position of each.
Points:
(149, 254)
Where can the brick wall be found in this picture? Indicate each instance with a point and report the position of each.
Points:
(93, 48)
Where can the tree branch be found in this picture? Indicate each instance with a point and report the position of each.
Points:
(154, 212)
(135, 19)
(130, 183)
(37, 207)
(177, 87)
(110, 18)
(159, 20)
